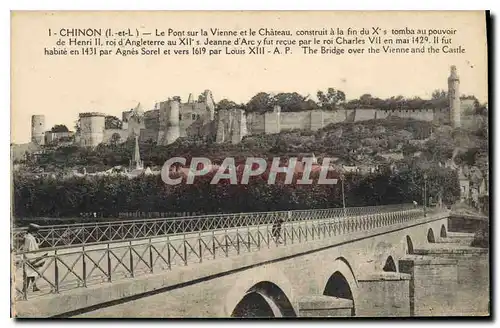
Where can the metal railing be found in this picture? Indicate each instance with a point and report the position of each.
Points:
(81, 266)
(84, 233)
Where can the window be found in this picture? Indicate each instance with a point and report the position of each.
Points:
(180, 117)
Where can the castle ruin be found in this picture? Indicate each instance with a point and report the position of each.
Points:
(171, 119)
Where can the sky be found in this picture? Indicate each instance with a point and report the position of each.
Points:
(60, 87)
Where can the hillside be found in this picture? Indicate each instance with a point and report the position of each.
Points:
(372, 142)
(408, 144)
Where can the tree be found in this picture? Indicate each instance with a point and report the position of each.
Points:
(59, 128)
(482, 110)
(366, 100)
(415, 103)
(439, 99)
(226, 104)
(112, 122)
(331, 99)
(293, 102)
(260, 103)
(115, 139)
(439, 94)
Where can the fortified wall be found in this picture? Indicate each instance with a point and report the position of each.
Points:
(171, 119)
(276, 121)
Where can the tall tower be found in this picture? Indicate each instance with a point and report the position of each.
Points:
(38, 129)
(454, 97)
(173, 132)
(92, 127)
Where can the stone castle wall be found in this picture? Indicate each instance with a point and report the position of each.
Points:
(255, 123)
(231, 126)
(135, 125)
(172, 119)
(274, 122)
(108, 135)
(295, 120)
(193, 120)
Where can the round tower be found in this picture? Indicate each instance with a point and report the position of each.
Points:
(38, 129)
(454, 97)
(173, 131)
(92, 129)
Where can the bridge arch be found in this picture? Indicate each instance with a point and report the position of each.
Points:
(341, 281)
(443, 232)
(430, 236)
(390, 265)
(260, 292)
(264, 300)
(408, 245)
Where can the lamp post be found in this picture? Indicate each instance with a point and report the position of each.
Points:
(425, 194)
(343, 194)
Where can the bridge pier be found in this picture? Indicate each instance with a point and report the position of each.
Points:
(325, 306)
(472, 294)
(433, 284)
(384, 294)
(457, 238)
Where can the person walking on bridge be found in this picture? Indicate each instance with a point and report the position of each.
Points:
(276, 230)
(35, 261)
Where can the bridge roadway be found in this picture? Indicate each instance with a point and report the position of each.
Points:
(392, 264)
(184, 250)
(117, 260)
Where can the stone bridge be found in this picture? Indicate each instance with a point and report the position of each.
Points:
(378, 263)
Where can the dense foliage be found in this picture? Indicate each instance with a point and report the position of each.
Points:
(59, 128)
(357, 143)
(334, 99)
(39, 197)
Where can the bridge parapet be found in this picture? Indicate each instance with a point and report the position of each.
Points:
(93, 264)
(85, 233)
